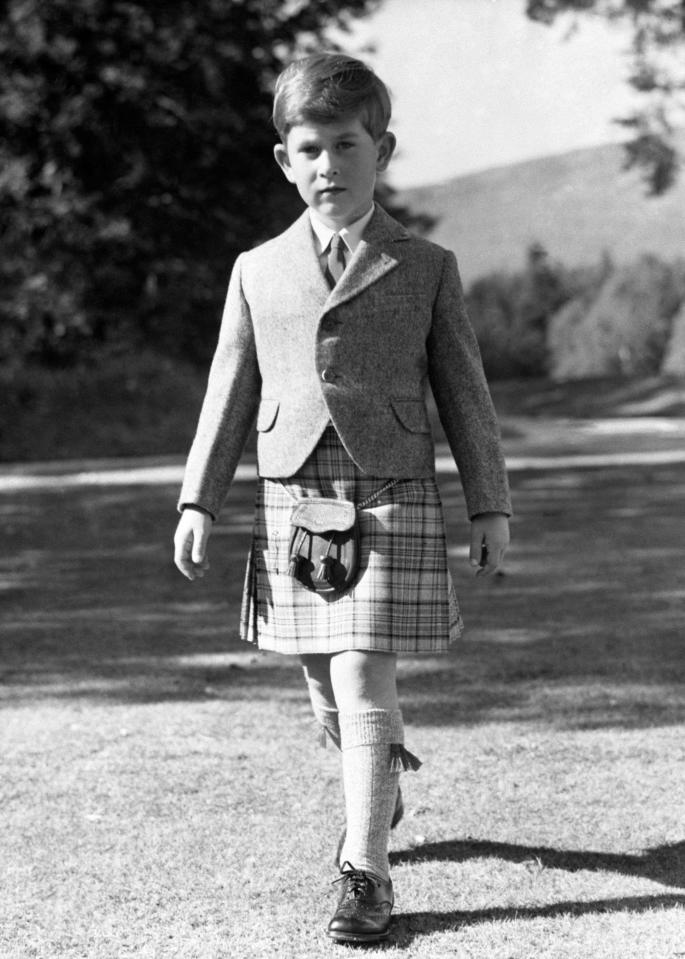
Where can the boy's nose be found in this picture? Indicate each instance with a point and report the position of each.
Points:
(327, 166)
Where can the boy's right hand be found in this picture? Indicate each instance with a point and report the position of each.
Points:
(190, 543)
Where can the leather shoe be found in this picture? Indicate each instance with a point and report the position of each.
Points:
(397, 816)
(364, 907)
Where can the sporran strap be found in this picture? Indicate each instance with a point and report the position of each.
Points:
(369, 499)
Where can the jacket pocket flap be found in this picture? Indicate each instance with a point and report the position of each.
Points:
(268, 411)
(412, 415)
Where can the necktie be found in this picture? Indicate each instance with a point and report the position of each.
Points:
(335, 260)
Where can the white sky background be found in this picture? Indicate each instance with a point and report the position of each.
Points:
(476, 84)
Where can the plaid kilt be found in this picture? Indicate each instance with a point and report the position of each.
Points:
(403, 600)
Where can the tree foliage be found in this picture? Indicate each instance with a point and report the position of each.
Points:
(624, 327)
(510, 313)
(136, 161)
(597, 320)
(658, 76)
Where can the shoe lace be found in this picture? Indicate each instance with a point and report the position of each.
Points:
(358, 880)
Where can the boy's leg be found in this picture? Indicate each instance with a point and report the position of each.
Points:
(372, 738)
(365, 690)
(317, 673)
(364, 680)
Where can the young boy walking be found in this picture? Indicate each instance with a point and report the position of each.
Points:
(331, 336)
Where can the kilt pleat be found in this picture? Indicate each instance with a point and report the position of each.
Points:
(403, 600)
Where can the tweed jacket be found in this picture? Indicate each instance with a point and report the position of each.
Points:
(297, 355)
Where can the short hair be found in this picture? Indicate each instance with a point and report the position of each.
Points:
(325, 88)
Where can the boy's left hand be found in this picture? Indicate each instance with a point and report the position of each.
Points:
(489, 541)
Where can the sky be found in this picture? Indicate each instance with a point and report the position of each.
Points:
(476, 84)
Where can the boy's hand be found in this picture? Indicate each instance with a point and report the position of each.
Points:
(489, 541)
(190, 543)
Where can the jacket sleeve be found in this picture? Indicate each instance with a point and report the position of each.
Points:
(229, 406)
(463, 400)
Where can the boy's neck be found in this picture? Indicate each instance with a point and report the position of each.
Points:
(351, 231)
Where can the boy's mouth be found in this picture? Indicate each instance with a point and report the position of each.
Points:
(331, 191)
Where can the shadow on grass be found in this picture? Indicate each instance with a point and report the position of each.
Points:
(663, 864)
(605, 396)
(409, 926)
(583, 631)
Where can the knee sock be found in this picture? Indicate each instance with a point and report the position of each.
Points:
(372, 756)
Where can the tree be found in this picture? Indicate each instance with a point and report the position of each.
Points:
(510, 313)
(658, 76)
(136, 161)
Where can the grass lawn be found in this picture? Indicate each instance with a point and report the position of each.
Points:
(163, 797)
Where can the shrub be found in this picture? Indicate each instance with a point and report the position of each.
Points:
(623, 328)
(674, 358)
(510, 314)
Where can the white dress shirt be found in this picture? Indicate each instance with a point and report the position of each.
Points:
(351, 235)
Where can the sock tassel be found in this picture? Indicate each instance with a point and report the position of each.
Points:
(321, 735)
(402, 760)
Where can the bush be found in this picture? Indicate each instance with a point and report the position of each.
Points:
(572, 324)
(118, 405)
(622, 328)
(510, 314)
(674, 358)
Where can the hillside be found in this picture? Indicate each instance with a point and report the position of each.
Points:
(577, 205)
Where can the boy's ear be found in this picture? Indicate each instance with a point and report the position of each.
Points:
(386, 148)
(281, 156)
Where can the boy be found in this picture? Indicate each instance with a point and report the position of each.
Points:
(331, 334)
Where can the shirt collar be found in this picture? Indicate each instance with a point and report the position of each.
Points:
(351, 234)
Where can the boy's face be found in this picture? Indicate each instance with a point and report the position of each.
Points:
(334, 166)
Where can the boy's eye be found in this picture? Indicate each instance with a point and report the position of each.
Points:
(346, 144)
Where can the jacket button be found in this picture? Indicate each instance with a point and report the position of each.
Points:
(329, 375)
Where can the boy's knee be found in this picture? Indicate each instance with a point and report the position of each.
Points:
(317, 673)
(364, 680)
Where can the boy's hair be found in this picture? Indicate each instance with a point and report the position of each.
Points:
(327, 87)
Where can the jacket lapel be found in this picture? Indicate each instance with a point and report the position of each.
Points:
(375, 256)
(301, 264)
